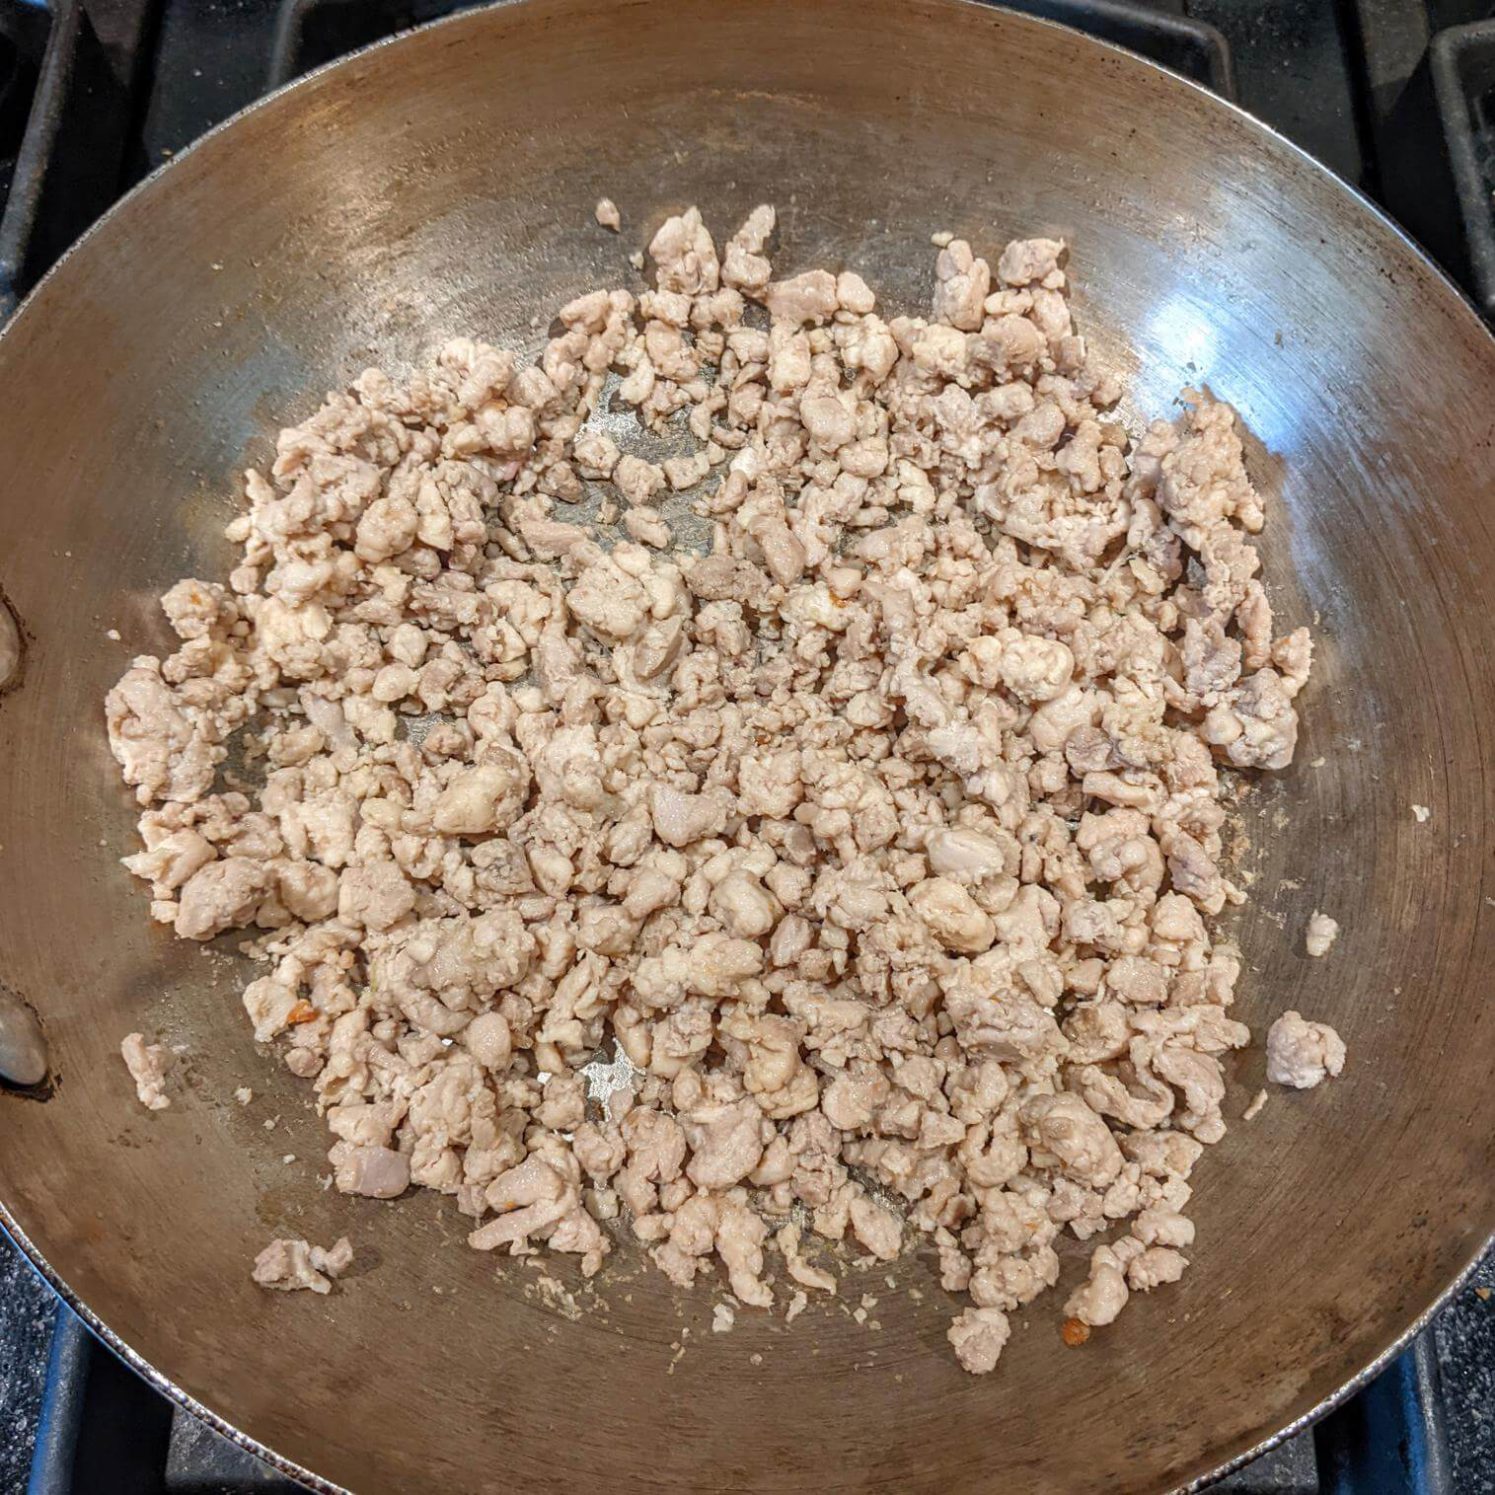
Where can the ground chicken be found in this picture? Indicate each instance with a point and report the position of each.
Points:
(847, 873)
(1321, 934)
(289, 1265)
(147, 1063)
(978, 1336)
(1302, 1054)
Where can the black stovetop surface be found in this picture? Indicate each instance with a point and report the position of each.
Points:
(1396, 96)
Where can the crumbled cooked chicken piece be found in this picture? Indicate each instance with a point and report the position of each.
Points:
(1103, 1294)
(223, 895)
(1028, 260)
(147, 1063)
(978, 1337)
(878, 844)
(606, 213)
(1321, 934)
(804, 1272)
(289, 1265)
(379, 1172)
(739, 1242)
(726, 1142)
(1302, 1054)
(876, 1228)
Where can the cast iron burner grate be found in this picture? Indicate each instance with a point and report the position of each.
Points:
(23, 39)
(1463, 66)
(1396, 96)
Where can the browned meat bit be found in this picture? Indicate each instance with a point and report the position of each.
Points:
(878, 845)
(1074, 1332)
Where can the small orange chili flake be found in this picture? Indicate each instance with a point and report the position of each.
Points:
(1074, 1332)
(302, 1012)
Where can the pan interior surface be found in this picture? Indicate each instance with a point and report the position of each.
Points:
(445, 184)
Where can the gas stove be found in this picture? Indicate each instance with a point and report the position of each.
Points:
(1396, 96)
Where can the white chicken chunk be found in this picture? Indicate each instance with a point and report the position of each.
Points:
(147, 1063)
(289, 1265)
(978, 1337)
(1303, 1054)
(1321, 933)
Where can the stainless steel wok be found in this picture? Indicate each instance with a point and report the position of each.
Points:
(445, 183)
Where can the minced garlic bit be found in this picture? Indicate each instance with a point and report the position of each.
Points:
(606, 213)
(882, 839)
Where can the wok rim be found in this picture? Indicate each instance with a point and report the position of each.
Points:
(162, 1383)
